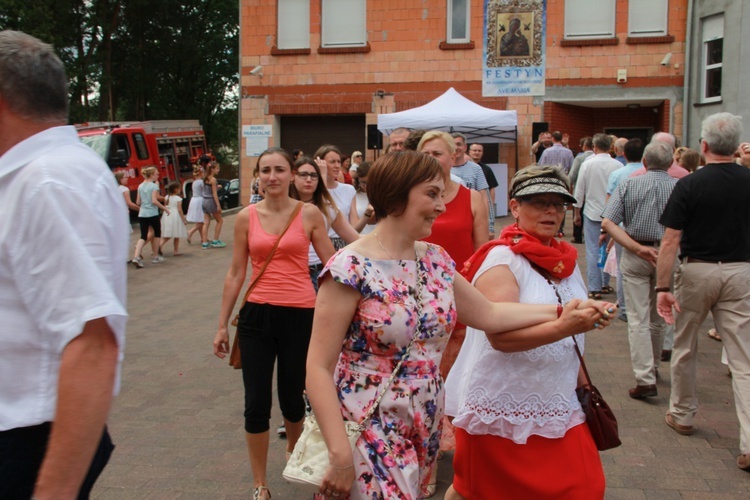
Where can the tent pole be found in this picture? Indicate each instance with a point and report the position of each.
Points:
(516, 134)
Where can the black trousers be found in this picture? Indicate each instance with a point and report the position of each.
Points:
(22, 452)
(268, 332)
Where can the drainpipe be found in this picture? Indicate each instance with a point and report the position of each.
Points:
(686, 105)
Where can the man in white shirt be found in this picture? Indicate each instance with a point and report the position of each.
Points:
(63, 248)
(591, 193)
(473, 177)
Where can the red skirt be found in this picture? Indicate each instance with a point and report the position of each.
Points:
(491, 467)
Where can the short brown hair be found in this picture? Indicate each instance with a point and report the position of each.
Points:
(392, 177)
(327, 148)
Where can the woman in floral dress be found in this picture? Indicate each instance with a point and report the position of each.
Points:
(365, 317)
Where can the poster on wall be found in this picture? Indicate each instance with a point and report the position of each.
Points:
(514, 47)
(256, 138)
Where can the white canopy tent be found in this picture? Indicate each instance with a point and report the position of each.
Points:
(453, 112)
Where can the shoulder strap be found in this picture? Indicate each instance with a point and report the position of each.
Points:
(273, 250)
(414, 338)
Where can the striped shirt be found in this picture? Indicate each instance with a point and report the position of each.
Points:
(638, 203)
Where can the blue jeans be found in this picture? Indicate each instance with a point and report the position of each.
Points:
(595, 275)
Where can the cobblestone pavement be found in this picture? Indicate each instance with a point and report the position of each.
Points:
(178, 424)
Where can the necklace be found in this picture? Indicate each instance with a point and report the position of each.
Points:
(377, 238)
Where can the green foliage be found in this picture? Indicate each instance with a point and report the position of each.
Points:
(143, 60)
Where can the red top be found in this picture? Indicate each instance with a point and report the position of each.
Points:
(286, 281)
(453, 230)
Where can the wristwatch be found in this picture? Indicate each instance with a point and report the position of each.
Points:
(662, 289)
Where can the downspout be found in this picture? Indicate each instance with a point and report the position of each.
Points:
(686, 80)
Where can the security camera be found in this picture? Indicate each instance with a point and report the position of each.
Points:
(257, 71)
(666, 59)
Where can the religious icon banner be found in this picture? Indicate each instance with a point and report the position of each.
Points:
(514, 47)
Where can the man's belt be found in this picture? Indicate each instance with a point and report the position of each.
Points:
(649, 243)
(693, 260)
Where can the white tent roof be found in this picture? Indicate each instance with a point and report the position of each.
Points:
(453, 112)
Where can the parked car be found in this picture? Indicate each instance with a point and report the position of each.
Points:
(229, 193)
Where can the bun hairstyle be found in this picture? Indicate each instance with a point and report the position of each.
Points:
(148, 172)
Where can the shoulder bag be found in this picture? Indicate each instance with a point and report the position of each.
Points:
(309, 461)
(235, 360)
(599, 416)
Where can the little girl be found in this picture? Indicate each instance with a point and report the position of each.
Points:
(195, 209)
(173, 222)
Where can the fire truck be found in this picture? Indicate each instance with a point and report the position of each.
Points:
(172, 146)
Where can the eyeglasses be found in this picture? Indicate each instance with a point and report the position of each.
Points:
(541, 205)
(305, 175)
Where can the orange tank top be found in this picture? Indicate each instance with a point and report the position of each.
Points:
(286, 281)
(453, 229)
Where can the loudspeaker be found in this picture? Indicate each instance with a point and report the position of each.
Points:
(374, 137)
(537, 128)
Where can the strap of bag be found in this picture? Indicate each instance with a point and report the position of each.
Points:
(273, 250)
(376, 403)
(559, 301)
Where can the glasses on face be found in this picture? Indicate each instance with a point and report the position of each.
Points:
(308, 175)
(541, 204)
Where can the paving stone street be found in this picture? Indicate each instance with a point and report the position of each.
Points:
(178, 423)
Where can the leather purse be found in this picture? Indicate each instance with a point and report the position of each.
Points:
(235, 360)
(599, 417)
(308, 462)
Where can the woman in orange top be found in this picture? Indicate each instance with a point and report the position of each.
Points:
(276, 320)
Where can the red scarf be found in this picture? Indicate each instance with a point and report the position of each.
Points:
(558, 258)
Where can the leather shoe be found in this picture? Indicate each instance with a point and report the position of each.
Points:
(685, 430)
(666, 355)
(743, 462)
(642, 391)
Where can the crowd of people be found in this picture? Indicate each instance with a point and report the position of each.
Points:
(389, 303)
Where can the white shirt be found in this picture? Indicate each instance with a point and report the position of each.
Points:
(591, 186)
(516, 395)
(343, 194)
(63, 254)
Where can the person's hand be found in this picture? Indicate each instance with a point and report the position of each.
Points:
(221, 342)
(370, 214)
(665, 302)
(167, 210)
(649, 254)
(744, 154)
(577, 220)
(322, 165)
(337, 482)
(539, 139)
(578, 316)
(602, 237)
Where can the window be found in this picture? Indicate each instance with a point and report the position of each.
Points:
(589, 19)
(647, 18)
(344, 23)
(458, 21)
(711, 58)
(140, 146)
(293, 31)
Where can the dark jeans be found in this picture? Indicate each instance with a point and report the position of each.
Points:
(22, 452)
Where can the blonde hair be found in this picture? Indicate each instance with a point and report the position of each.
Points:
(119, 176)
(438, 134)
(148, 172)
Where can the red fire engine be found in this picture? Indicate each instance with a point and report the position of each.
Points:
(172, 146)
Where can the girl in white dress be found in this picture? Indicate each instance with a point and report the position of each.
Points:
(195, 209)
(173, 222)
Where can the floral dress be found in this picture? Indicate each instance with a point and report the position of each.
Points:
(393, 457)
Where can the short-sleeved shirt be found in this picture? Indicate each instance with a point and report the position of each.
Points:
(148, 209)
(616, 177)
(591, 187)
(639, 202)
(712, 209)
(343, 195)
(63, 248)
(489, 176)
(472, 175)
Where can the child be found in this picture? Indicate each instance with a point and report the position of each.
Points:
(195, 209)
(173, 222)
(148, 214)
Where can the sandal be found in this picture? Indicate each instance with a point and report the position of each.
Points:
(259, 495)
(595, 295)
(714, 334)
(607, 290)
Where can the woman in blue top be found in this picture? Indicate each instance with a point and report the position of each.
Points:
(148, 215)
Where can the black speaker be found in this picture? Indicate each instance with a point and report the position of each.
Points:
(374, 137)
(537, 128)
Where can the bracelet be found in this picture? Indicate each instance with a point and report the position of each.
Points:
(662, 289)
(559, 310)
(341, 468)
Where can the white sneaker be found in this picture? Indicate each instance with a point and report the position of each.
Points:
(138, 262)
(158, 259)
(281, 431)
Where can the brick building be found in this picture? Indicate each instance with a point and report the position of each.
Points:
(321, 71)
